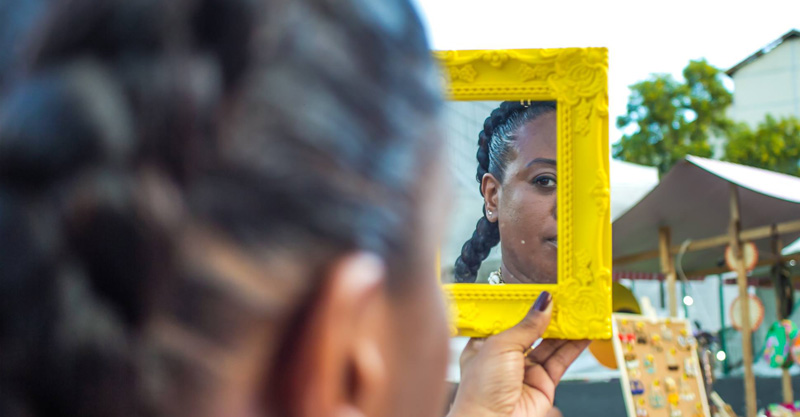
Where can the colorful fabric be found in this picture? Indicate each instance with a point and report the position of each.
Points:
(780, 339)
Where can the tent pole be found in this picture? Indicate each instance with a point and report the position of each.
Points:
(788, 395)
(668, 269)
(722, 343)
(747, 346)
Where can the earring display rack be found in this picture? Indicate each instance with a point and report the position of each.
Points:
(660, 372)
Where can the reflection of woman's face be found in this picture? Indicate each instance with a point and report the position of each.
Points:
(526, 205)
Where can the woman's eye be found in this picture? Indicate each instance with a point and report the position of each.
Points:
(545, 181)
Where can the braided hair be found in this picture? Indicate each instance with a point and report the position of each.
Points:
(128, 125)
(495, 150)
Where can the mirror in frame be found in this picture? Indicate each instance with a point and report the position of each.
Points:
(564, 91)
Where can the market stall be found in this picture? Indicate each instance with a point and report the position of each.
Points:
(699, 209)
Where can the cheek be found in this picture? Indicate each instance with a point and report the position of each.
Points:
(524, 213)
(539, 208)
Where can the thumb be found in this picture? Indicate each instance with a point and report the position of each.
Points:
(470, 350)
(532, 326)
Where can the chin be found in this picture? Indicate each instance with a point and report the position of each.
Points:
(551, 276)
(548, 279)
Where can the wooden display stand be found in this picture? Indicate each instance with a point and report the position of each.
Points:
(659, 370)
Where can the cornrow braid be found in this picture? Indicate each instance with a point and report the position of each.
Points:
(128, 128)
(495, 151)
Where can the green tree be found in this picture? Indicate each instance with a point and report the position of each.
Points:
(773, 145)
(671, 119)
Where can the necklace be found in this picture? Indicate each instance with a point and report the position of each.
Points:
(496, 277)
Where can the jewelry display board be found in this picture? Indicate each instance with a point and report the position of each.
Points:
(659, 369)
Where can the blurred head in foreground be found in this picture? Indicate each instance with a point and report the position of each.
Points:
(218, 208)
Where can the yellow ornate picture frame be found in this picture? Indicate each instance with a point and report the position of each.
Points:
(576, 78)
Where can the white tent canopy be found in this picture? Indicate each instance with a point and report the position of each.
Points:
(629, 183)
(693, 200)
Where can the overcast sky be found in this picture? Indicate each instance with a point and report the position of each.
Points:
(643, 37)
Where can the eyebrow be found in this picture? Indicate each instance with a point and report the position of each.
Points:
(541, 161)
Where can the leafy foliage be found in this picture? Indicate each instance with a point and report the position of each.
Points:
(673, 119)
(773, 145)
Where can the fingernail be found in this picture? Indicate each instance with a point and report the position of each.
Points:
(543, 301)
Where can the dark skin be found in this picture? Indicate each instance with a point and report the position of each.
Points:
(497, 380)
(524, 204)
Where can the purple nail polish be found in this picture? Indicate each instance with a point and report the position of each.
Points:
(542, 301)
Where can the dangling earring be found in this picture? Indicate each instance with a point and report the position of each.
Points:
(489, 212)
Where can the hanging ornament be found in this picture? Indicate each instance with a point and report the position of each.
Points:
(655, 341)
(649, 364)
(637, 388)
(657, 399)
(672, 391)
(641, 336)
(777, 351)
(686, 390)
(666, 332)
(672, 360)
(688, 367)
(749, 256)
(641, 410)
(755, 308)
(796, 350)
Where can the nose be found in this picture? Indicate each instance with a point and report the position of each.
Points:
(554, 210)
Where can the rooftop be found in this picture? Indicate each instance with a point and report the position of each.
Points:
(794, 33)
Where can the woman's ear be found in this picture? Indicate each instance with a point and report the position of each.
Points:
(490, 188)
(340, 366)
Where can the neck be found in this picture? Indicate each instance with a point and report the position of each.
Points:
(511, 276)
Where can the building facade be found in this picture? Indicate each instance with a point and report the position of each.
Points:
(768, 82)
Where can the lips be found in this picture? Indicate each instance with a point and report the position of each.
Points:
(552, 241)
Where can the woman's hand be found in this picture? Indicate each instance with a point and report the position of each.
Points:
(497, 379)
